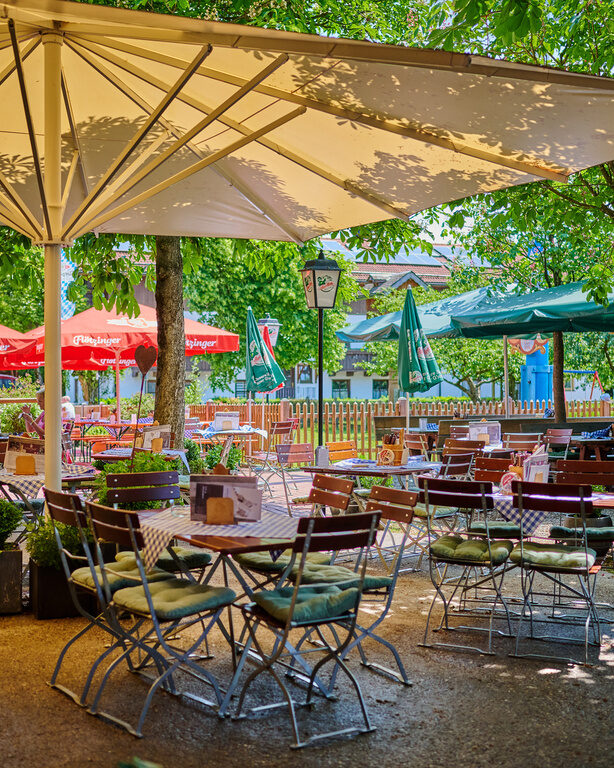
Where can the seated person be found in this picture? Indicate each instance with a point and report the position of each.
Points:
(36, 426)
(68, 409)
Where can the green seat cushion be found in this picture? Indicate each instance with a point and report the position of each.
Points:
(126, 574)
(497, 529)
(420, 511)
(262, 562)
(338, 574)
(174, 598)
(554, 555)
(191, 559)
(38, 505)
(596, 534)
(313, 603)
(458, 549)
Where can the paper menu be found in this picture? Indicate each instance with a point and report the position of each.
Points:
(536, 468)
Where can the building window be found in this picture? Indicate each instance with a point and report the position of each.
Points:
(341, 389)
(150, 387)
(240, 390)
(305, 374)
(380, 388)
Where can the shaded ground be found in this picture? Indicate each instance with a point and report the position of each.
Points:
(463, 710)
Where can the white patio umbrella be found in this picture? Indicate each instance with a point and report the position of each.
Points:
(130, 122)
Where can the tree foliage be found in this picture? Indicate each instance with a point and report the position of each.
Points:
(229, 280)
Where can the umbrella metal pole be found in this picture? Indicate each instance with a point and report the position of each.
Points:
(320, 377)
(118, 402)
(52, 44)
(506, 379)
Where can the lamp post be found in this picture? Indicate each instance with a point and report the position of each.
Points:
(320, 282)
(273, 325)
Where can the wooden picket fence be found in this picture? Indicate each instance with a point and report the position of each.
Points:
(354, 420)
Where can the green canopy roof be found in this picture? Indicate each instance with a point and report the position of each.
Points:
(563, 308)
(435, 319)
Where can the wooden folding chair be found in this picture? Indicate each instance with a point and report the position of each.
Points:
(459, 431)
(521, 441)
(490, 470)
(452, 446)
(289, 457)
(284, 610)
(481, 559)
(159, 610)
(338, 451)
(557, 443)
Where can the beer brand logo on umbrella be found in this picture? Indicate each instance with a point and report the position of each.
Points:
(254, 354)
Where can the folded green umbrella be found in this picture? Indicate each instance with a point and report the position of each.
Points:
(418, 369)
(262, 374)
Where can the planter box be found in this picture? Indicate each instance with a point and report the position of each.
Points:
(49, 594)
(10, 580)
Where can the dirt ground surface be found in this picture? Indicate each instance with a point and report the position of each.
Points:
(464, 709)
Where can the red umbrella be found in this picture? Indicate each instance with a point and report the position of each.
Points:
(98, 338)
(12, 341)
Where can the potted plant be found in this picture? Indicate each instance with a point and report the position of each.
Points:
(143, 462)
(49, 593)
(214, 454)
(10, 559)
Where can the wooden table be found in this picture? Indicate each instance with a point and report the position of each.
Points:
(601, 446)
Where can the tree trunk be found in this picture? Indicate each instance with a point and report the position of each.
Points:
(558, 377)
(170, 381)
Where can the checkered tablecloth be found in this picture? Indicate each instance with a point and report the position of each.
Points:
(30, 485)
(531, 519)
(159, 528)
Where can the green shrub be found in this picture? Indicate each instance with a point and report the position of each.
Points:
(192, 454)
(143, 462)
(10, 517)
(214, 454)
(42, 545)
(130, 405)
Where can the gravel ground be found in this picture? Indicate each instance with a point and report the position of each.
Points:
(463, 709)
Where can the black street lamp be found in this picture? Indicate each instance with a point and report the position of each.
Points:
(321, 281)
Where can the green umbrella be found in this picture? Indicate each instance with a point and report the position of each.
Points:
(418, 369)
(262, 374)
(563, 308)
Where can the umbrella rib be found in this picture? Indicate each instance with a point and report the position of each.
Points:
(30, 126)
(252, 198)
(417, 134)
(10, 68)
(187, 172)
(153, 118)
(20, 207)
(182, 140)
(73, 131)
(6, 213)
(69, 178)
(293, 157)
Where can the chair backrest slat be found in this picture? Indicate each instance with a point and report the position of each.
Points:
(294, 454)
(335, 533)
(65, 507)
(465, 494)
(456, 465)
(114, 525)
(146, 479)
(394, 504)
(159, 493)
(569, 500)
(341, 450)
(490, 470)
(452, 446)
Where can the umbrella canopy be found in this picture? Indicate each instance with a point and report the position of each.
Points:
(123, 121)
(563, 308)
(98, 338)
(262, 374)
(12, 341)
(418, 369)
(169, 125)
(435, 319)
